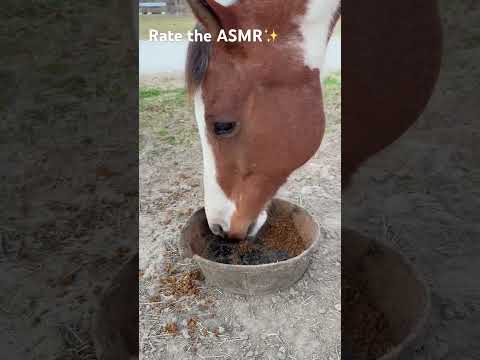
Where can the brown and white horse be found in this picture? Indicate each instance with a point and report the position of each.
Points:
(258, 105)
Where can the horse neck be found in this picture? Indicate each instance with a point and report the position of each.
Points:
(316, 27)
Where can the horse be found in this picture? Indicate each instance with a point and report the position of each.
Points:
(258, 105)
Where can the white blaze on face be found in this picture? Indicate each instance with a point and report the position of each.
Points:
(226, 2)
(315, 26)
(261, 219)
(218, 207)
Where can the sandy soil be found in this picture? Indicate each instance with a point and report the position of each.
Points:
(66, 205)
(299, 323)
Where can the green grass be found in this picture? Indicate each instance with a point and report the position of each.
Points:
(165, 117)
(148, 93)
(333, 82)
(165, 98)
(164, 23)
(332, 86)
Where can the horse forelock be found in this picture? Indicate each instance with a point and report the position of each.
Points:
(198, 56)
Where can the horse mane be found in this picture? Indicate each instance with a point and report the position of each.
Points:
(198, 56)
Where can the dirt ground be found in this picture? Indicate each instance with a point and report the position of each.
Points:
(65, 222)
(299, 323)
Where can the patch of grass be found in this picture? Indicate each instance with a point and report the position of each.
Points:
(153, 98)
(333, 82)
(164, 23)
(148, 93)
(165, 117)
(165, 136)
(332, 86)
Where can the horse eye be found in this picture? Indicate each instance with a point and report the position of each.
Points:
(224, 128)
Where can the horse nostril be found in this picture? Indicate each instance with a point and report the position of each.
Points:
(217, 230)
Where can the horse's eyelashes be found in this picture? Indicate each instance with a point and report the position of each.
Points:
(224, 128)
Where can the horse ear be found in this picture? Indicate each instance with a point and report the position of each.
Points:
(205, 16)
(214, 15)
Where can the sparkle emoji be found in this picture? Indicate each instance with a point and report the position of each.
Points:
(273, 36)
